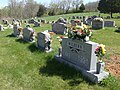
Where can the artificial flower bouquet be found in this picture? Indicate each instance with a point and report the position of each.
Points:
(98, 19)
(79, 32)
(100, 51)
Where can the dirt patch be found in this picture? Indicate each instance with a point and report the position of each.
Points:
(113, 65)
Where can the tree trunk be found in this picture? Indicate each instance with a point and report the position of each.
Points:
(111, 14)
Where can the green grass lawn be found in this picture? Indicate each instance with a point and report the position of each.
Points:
(24, 67)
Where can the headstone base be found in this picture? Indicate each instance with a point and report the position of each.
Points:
(90, 75)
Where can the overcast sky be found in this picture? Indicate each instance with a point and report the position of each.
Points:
(5, 2)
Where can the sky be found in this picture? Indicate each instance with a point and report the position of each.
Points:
(5, 2)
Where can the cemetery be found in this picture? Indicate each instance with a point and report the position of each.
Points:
(75, 51)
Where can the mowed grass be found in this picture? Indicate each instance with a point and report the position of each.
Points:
(24, 67)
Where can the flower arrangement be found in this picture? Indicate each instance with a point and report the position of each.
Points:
(100, 51)
(79, 32)
(98, 19)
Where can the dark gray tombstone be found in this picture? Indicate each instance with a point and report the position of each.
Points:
(31, 21)
(59, 27)
(43, 21)
(108, 17)
(81, 55)
(37, 24)
(109, 23)
(73, 17)
(97, 24)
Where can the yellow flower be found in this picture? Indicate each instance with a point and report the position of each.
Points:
(84, 26)
(77, 27)
(103, 48)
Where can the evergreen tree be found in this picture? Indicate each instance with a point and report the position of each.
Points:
(41, 11)
(109, 6)
(82, 7)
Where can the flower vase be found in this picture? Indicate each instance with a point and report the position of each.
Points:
(86, 38)
(60, 51)
(100, 67)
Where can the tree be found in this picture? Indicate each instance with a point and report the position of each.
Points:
(91, 6)
(82, 7)
(41, 11)
(109, 6)
(76, 4)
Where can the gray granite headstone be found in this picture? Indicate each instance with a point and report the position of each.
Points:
(15, 30)
(41, 41)
(109, 23)
(97, 24)
(59, 28)
(81, 55)
(28, 34)
(44, 41)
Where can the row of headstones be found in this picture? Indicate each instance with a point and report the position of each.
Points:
(102, 24)
(80, 55)
(94, 16)
(28, 34)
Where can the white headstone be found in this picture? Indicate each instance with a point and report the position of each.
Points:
(1, 28)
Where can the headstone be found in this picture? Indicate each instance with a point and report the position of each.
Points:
(76, 22)
(89, 21)
(73, 17)
(37, 24)
(94, 16)
(98, 24)
(108, 17)
(6, 22)
(81, 55)
(16, 32)
(39, 20)
(118, 17)
(48, 22)
(77, 17)
(28, 34)
(44, 41)
(59, 27)
(31, 21)
(109, 23)
(84, 20)
(118, 29)
(43, 21)
(1, 28)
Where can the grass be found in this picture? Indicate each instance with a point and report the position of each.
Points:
(24, 67)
